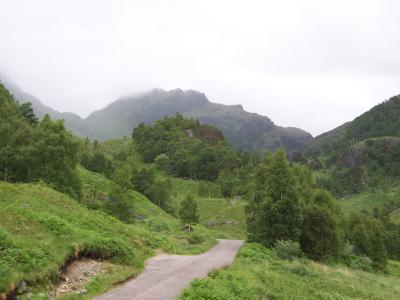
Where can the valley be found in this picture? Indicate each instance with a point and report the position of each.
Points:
(318, 224)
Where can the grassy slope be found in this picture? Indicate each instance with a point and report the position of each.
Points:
(258, 274)
(152, 218)
(223, 215)
(40, 229)
(369, 200)
(220, 214)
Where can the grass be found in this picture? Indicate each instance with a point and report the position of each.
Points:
(223, 215)
(258, 273)
(41, 229)
(369, 200)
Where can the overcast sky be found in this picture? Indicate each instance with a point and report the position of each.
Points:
(304, 63)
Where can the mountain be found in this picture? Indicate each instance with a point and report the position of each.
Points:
(72, 121)
(361, 153)
(244, 130)
(382, 120)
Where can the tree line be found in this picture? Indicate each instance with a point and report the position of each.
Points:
(33, 150)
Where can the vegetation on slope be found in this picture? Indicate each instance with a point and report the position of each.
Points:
(362, 154)
(42, 229)
(32, 151)
(258, 273)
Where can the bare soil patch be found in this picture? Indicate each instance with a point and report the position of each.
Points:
(77, 274)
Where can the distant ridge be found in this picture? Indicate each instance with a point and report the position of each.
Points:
(244, 130)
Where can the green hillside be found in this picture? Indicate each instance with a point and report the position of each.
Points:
(360, 155)
(41, 229)
(382, 120)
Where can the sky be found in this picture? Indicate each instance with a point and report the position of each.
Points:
(310, 64)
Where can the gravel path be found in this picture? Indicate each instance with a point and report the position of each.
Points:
(166, 275)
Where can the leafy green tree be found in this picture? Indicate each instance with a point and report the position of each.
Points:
(121, 205)
(160, 194)
(15, 140)
(123, 177)
(143, 180)
(194, 150)
(97, 162)
(276, 212)
(188, 212)
(32, 152)
(54, 157)
(163, 162)
(320, 238)
(27, 112)
(367, 236)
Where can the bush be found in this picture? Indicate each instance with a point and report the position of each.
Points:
(157, 225)
(363, 263)
(254, 251)
(121, 205)
(108, 248)
(287, 249)
(195, 239)
(301, 271)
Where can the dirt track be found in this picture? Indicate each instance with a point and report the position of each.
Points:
(166, 275)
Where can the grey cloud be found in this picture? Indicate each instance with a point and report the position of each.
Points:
(311, 64)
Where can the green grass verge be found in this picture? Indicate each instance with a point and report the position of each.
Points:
(257, 273)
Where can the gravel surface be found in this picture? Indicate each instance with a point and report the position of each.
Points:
(76, 275)
(165, 276)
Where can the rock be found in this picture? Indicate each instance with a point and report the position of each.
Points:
(139, 218)
(83, 292)
(22, 288)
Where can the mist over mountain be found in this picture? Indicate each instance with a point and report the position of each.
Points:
(244, 130)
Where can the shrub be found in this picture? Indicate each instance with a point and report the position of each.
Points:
(195, 239)
(108, 248)
(157, 225)
(287, 249)
(254, 251)
(301, 271)
(363, 263)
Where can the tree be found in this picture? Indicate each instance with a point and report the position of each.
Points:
(320, 238)
(27, 112)
(143, 180)
(31, 152)
(15, 140)
(54, 157)
(123, 178)
(121, 205)
(367, 236)
(160, 194)
(188, 212)
(163, 162)
(275, 213)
